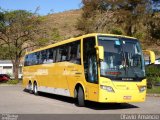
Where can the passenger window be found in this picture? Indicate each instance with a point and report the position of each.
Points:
(74, 55)
(49, 55)
(26, 62)
(64, 53)
(37, 58)
(30, 59)
(43, 57)
(59, 54)
(54, 55)
(90, 60)
(68, 52)
(33, 59)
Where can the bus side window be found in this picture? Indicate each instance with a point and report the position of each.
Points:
(59, 54)
(37, 57)
(64, 52)
(41, 57)
(26, 62)
(49, 55)
(34, 57)
(54, 55)
(69, 52)
(30, 59)
(74, 52)
(44, 56)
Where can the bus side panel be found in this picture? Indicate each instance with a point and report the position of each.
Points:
(60, 70)
(74, 75)
(28, 75)
(53, 79)
(53, 76)
(25, 77)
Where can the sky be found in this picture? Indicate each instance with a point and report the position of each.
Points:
(44, 6)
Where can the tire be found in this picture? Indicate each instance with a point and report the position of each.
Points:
(30, 88)
(80, 97)
(35, 89)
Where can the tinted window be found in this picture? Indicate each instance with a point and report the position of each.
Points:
(38, 57)
(54, 55)
(26, 61)
(49, 56)
(68, 52)
(59, 55)
(30, 59)
(74, 55)
(64, 52)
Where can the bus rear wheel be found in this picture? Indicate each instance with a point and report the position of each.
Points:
(30, 87)
(35, 89)
(80, 97)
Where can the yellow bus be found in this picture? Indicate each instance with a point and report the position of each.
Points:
(104, 68)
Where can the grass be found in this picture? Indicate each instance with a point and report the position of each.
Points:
(155, 89)
(12, 82)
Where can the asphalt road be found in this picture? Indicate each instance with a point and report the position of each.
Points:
(14, 100)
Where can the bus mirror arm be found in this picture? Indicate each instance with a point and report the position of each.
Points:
(100, 52)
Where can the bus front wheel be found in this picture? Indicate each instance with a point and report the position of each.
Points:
(80, 97)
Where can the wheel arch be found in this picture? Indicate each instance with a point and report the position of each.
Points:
(30, 82)
(76, 89)
(35, 82)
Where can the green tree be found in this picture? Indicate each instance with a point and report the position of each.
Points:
(130, 15)
(126, 16)
(153, 28)
(3, 53)
(20, 30)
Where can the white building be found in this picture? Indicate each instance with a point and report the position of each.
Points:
(157, 61)
(6, 67)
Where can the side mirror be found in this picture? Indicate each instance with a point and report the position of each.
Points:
(100, 52)
(151, 55)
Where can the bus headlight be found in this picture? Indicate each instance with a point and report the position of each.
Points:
(108, 88)
(142, 88)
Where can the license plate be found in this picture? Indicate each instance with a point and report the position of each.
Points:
(127, 97)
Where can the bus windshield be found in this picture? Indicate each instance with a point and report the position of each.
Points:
(123, 59)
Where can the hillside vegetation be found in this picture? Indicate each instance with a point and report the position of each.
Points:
(64, 22)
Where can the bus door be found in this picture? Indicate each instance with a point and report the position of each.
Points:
(90, 68)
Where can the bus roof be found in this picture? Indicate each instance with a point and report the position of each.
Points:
(77, 38)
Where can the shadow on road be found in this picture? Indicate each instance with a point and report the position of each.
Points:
(109, 106)
(89, 104)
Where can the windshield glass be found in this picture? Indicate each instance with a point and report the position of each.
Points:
(123, 59)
